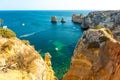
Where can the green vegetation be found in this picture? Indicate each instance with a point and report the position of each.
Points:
(7, 33)
(98, 27)
(103, 38)
(93, 45)
(7, 45)
(1, 22)
(108, 31)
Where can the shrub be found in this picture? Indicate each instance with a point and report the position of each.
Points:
(7, 45)
(108, 31)
(93, 45)
(103, 38)
(1, 22)
(98, 27)
(5, 32)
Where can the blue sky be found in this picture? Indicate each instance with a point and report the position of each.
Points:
(59, 4)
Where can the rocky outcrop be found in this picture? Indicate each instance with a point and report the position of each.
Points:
(109, 19)
(104, 18)
(63, 20)
(77, 18)
(96, 57)
(20, 61)
(54, 19)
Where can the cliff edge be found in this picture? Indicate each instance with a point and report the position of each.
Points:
(20, 61)
(96, 57)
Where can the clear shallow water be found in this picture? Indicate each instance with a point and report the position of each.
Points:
(58, 39)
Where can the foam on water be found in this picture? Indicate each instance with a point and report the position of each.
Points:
(27, 35)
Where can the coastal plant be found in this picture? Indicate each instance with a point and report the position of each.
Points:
(1, 22)
(98, 27)
(7, 33)
(103, 38)
(6, 46)
(108, 31)
(93, 44)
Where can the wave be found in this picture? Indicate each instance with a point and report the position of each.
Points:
(27, 35)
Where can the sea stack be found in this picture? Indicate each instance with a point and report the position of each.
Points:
(63, 20)
(74, 18)
(53, 19)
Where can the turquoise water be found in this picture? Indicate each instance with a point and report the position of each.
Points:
(58, 39)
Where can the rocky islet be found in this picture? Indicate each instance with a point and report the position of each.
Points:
(54, 19)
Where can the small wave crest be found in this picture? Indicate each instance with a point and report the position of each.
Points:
(27, 35)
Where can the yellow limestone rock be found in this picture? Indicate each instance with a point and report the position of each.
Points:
(99, 61)
(20, 61)
(47, 60)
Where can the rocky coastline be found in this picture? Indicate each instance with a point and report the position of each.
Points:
(96, 56)
(107, 19)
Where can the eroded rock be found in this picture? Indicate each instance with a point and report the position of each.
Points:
(54, 19)
(20, 61)
(63, 20)
(93, 59)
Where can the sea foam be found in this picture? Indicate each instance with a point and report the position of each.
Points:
(27, 35)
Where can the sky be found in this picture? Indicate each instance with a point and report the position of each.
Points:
(59, 5)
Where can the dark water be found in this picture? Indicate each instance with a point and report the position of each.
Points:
(58, 39)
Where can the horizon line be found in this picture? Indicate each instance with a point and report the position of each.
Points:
(58, 10)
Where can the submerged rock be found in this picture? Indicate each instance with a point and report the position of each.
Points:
(96, 57)
(54, 19)
(63, 20)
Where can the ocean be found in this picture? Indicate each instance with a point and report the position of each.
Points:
(58, 39)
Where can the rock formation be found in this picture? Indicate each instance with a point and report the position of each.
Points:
(54, 19)
(63, 20)
(47, 60)
(20, 61)
(77, 18)
(104, 18)
(109, 19)
(96, 57)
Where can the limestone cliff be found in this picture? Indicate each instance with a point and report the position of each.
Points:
(109, 19)
(20, 61)
(96, 57)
